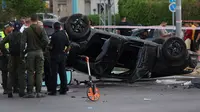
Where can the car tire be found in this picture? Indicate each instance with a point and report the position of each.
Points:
(77, 27)
(158, 41)
(174, 49)
(192, 63)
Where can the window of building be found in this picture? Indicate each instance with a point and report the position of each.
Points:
(101, 7)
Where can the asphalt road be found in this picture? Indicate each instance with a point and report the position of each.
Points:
(138, 97)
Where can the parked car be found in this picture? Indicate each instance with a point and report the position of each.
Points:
(47, 16)
(136, 58)
(48, 25)
(140, 33)
(63, 19)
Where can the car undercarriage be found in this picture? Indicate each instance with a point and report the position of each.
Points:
(115, 56)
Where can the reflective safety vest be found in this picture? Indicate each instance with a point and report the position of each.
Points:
(2, 35)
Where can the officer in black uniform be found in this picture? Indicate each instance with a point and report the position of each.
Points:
(8, 28)
(47, 69)
(16, 64)
(59, 41)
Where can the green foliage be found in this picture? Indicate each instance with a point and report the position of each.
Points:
(20, 8)
(153, 12)
(5, 15)
(96, 19)
(26, 7)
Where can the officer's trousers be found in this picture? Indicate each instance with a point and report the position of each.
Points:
(35, 69)
(16, 67)
(47, 73)
(58, 66)
(4, 70)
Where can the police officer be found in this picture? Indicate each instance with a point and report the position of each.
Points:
(4, 56)
(59, 41)
(47, 70)
(1, 35)
(16, 64)
(36, 39)
(47, 67)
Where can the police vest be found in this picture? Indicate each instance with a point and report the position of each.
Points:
(2, 36)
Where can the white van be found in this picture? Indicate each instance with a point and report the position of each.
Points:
(47, 16)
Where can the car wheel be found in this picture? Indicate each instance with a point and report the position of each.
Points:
(174, 49)
(77, 27)
(192, 63)
(158, 41)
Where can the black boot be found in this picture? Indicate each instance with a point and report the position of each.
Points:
(22, 94)
(5, 92)
(16, 90)
(52, 93)
(10, 95)
(64, 91)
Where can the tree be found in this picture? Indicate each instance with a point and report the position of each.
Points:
(153, 12)
(5, 14)
(26, 7)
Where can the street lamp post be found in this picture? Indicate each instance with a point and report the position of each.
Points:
(74, 6)
(109, 14)
(178, 18)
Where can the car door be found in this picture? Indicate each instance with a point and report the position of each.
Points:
(105, 65)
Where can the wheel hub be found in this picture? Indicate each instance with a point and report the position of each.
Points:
(174, 48)
(78, 25)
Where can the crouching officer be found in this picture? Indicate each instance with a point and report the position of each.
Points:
(16, 65)
(59, 41)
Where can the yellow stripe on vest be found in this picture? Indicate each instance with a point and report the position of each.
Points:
(3, 35)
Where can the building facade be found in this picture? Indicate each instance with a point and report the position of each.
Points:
(88, 7)
(67, 7)
(62, 8)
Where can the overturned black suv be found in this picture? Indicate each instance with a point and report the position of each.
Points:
(116, 56)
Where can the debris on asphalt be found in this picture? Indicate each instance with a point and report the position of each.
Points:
(147, 99)
(105, 101)
(196, 83)
(90, 108)
(82, 84)
(193, 83)
(174, 86)
(170, 81)
(73, 97)
(70, 91)
(73, 82)
(84, 97)
(188, 83)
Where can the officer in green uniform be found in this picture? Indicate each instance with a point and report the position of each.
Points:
(37, 40)
(16, 64)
